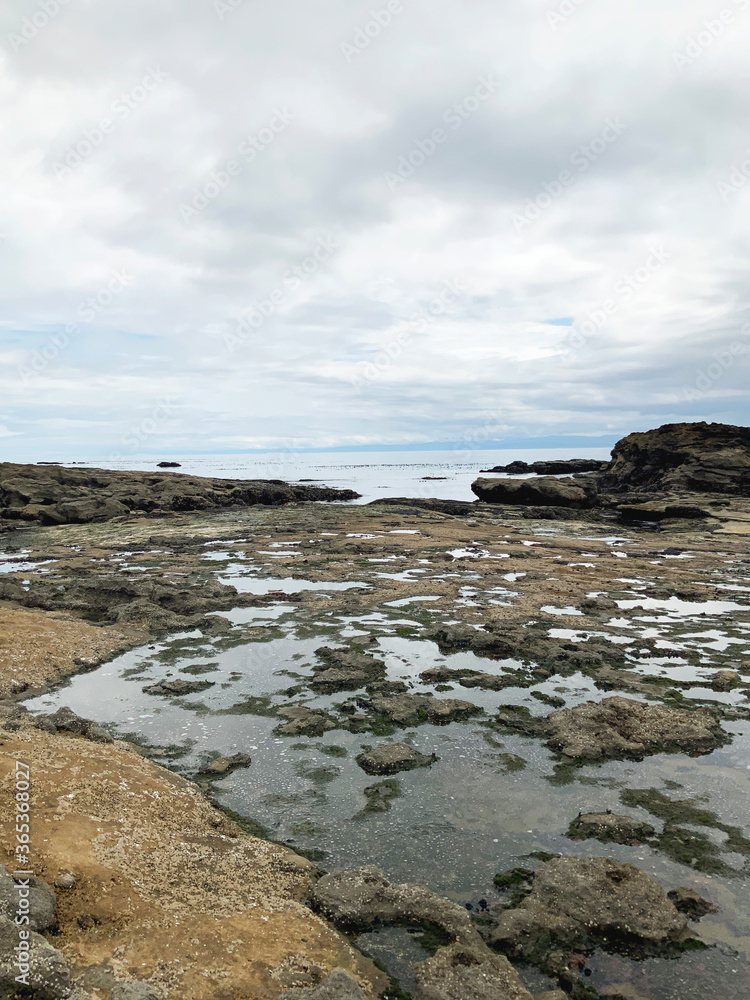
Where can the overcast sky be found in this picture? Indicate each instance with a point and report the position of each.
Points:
(252, 224)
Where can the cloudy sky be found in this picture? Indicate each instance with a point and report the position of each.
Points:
(248, 224)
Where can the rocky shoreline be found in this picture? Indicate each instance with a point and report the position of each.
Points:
(165, 873)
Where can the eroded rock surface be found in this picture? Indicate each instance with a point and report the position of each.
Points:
(464, 969)
(623, 728)
(48, 974)
(544, 491)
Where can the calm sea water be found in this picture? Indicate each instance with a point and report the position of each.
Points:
(373, 474)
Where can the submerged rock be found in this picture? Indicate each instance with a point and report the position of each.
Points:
(691, 903)
(411, 709)
(609, 827)
(580, 494)
(303, 721)
(178, 688)
(579, 903)
(345, 670)
(392, 758)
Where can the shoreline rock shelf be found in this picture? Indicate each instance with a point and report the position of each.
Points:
(58, 495)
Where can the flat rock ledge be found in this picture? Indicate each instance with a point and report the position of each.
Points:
(464, 969)
(58, 495)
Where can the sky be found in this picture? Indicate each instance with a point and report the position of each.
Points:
(236, 225)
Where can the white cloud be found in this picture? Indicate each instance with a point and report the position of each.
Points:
(223, 80)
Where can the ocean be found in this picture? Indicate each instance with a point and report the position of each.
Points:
(447, 475)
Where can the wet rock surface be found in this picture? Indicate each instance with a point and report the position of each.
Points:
(64, 720)
(58, 495)
(345, 670)
(225, 765)
(463, 969)
(575, 903)
(691, 903)
(392, 758)
(609, 827)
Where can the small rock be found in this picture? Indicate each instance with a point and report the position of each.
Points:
(66, 881)
(178, 688)
(49, 975)
(725, 680)
(691, 903)
(338, 985)
(134, 991)
(42, 901)
(393, 757)
(225, 765)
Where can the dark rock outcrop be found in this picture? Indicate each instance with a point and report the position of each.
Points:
(41, 900)
(65, 720)
(686, 458)
(559, 467)
(60, 495)
(578, 494)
